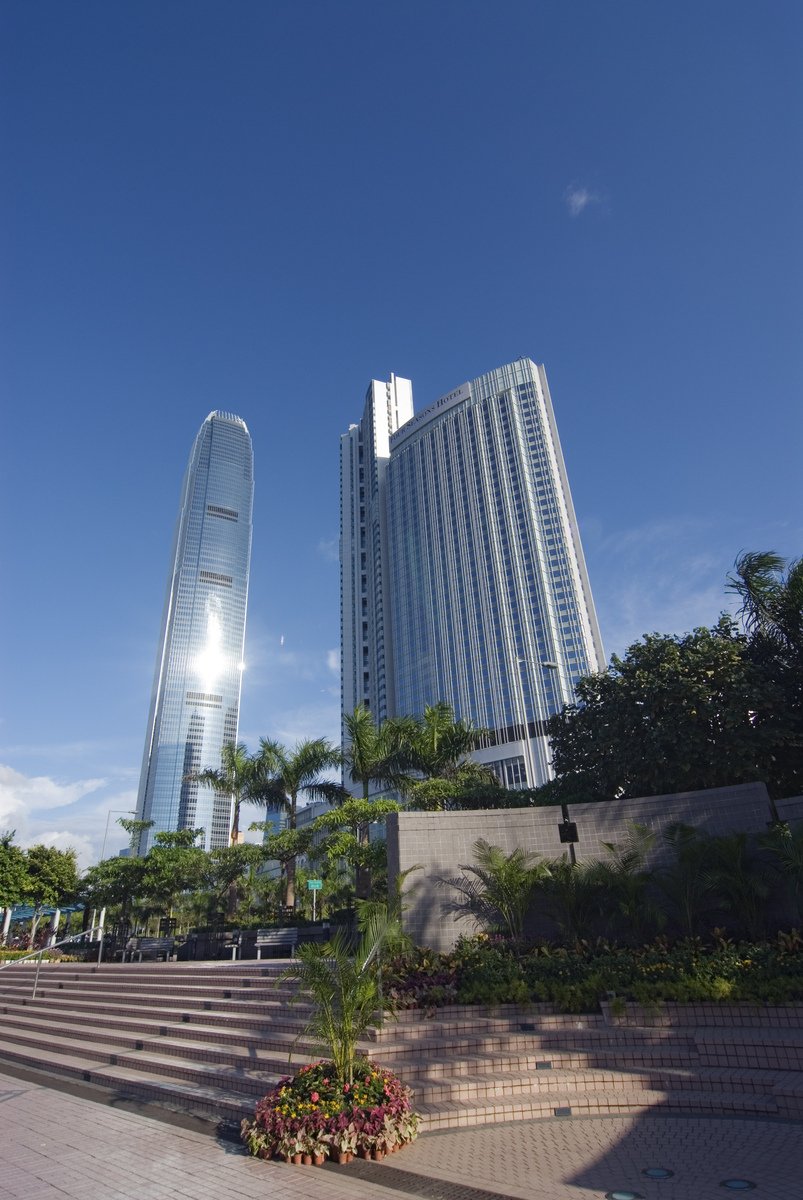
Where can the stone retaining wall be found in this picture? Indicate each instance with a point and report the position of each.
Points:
(440, 842)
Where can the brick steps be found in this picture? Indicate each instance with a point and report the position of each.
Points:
(212, 1038)
(452, 1114)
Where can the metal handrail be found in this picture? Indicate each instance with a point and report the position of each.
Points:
(37, 954)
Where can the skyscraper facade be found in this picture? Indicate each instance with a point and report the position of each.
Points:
(195, 701)
(366, 628)
(486, 602)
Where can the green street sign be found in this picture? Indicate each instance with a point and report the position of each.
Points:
(314, 885)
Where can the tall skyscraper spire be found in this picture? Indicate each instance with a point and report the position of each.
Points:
(195, 701)
(486, 599)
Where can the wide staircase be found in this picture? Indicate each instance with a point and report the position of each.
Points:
(210, 1039)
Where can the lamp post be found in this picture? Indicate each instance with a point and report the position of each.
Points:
(567, 828)
(130, 811)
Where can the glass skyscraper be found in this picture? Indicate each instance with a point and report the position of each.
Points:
(195, 701)
(465, 514)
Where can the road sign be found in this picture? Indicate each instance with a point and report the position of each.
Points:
(314, 885)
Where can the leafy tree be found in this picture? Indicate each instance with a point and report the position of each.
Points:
(345, 839)
(673, 715)
(227, 867)
(135, 830)
(285, 775)
(173, 865)
(498, 890)
(772, 614)
(113, 881)
(52, 879)
(14, 881)
(239, 777)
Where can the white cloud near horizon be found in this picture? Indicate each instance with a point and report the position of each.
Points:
(87, 808)
(26, 793)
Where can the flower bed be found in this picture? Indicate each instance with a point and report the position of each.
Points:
(313, 1115)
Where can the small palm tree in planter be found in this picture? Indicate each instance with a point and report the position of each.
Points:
(344, 1104)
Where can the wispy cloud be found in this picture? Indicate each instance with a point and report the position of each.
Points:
(333, 661)
(329, 550)
(660, 577)
(578, 197)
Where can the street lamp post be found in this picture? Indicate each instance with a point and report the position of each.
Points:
(130, 811)
(567, 829)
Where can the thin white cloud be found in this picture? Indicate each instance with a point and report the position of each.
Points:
(333, 661)
(329, 550)
(660, 577)
(578, 198)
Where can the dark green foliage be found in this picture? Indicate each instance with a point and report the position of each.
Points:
(673, 715)
(52, 876)
(14, 882)
(487, 972)
(708, 709)
(498, 889)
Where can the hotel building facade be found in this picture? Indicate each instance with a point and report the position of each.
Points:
(462, 572)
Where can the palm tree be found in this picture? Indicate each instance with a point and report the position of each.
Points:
(375, 754)
(627, 881)
(345, 986)
(686, 883)
(573, 897)
(772, 606)
(499, 889)
(786, 848)
(285, 774)
(772, 614)
(440, 744)
(238, 777)
(739, 881)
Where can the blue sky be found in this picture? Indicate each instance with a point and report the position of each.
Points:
(260, 206)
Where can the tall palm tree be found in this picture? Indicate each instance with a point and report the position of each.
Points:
(237, 777)
(375, 754)
(440, 745)
(285, 774)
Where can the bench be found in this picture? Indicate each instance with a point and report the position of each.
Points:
(149, 947)
(277, 937)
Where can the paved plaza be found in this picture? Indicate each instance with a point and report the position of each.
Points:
(56, 1144)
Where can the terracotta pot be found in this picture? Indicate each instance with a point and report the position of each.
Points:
(306, 1159)
(317, 1160)
(295, 1158)
(378, 1154)
(364, 1153)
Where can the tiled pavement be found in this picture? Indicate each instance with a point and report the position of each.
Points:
(55, 1145)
